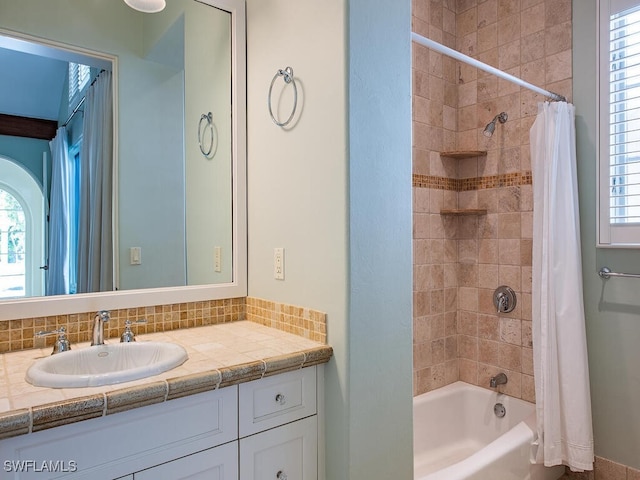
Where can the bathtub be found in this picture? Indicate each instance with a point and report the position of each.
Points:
(457, 436)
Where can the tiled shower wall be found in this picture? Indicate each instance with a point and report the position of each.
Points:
(459, 261)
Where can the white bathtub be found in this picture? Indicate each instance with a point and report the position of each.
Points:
(457, 436)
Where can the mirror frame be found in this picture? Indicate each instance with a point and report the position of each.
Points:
(86, 302)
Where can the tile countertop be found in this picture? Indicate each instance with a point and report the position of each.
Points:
(219, 356)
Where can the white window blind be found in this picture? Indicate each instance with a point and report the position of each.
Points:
(619, 123)
(78, 79)
(624, 116)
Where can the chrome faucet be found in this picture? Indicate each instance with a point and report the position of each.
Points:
(98, 327)
(499, 379)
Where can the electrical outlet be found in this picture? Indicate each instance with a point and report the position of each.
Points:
(217, 259)
(278, 263)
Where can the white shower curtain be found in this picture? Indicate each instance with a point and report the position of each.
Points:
(59, 233)
(563, 402)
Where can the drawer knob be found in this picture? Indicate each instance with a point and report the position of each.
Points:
(281, 475)
(280, 398)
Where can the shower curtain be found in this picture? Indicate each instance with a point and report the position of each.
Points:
(95, 243)
(563, 402)
(58, 272)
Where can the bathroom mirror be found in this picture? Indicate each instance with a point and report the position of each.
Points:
(158, 217)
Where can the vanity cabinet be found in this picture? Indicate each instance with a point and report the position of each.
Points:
(266, 428)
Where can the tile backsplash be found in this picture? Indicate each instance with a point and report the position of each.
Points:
(21, 334)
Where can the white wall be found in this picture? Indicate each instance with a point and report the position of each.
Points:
(335, 191)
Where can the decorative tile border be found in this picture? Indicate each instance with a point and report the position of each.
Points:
(311, 324)
(304, 322)
(436, 183)
(20, 334)
(469, 184)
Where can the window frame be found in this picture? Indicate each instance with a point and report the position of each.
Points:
(608, 235)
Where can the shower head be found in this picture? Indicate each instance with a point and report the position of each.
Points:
(491, 126)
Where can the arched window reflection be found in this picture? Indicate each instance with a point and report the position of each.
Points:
(12, 246)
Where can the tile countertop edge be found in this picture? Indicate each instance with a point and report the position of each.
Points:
(49, 415)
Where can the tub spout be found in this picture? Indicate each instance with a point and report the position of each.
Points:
(499, 379)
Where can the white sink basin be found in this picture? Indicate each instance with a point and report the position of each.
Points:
(105, 364)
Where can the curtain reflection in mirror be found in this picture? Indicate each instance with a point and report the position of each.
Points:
(95, 242)
(60, 231)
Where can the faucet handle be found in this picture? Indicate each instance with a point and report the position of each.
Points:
(61, 344)
(128, 335)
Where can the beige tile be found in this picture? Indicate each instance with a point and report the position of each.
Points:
(422, 381)
(510, 357)
(422, 357)
(489, 327)
(633, 474)
(558, 38)
(487, 13)
(467, 22)
(528, 388)
(437, 351)
(435, 13)
(437, 326)
(557, 11)
(527, 361)
(420, 9)
(511, 331)
(532, 19)
(509, 225)
(558, 66)
(468, 347)
(508, 29)
(488, 351)
(451, 371)
(508, 58)
(509, 251)
(468, 370)
(609, 470)
(468, 323)
(438, 378)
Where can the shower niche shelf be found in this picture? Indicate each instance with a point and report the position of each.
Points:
(464, 212)
(459, 154)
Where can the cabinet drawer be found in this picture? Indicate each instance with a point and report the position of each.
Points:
(220, 463)
(273, 401)
(289, 452)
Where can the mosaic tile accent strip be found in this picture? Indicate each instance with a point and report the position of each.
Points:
(470, 184)
(307, 323)
(20, 334)
(436, 183)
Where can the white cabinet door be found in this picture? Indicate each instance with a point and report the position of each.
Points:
(289, 452)
(220, 463)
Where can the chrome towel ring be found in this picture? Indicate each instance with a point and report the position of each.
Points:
(201, 131)
(287, 74)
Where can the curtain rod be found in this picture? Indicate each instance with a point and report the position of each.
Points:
(482, 66)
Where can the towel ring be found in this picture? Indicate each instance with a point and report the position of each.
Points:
(287, 74)
(208, 126)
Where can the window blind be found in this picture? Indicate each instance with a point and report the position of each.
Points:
(624, 116)
(78, 79)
